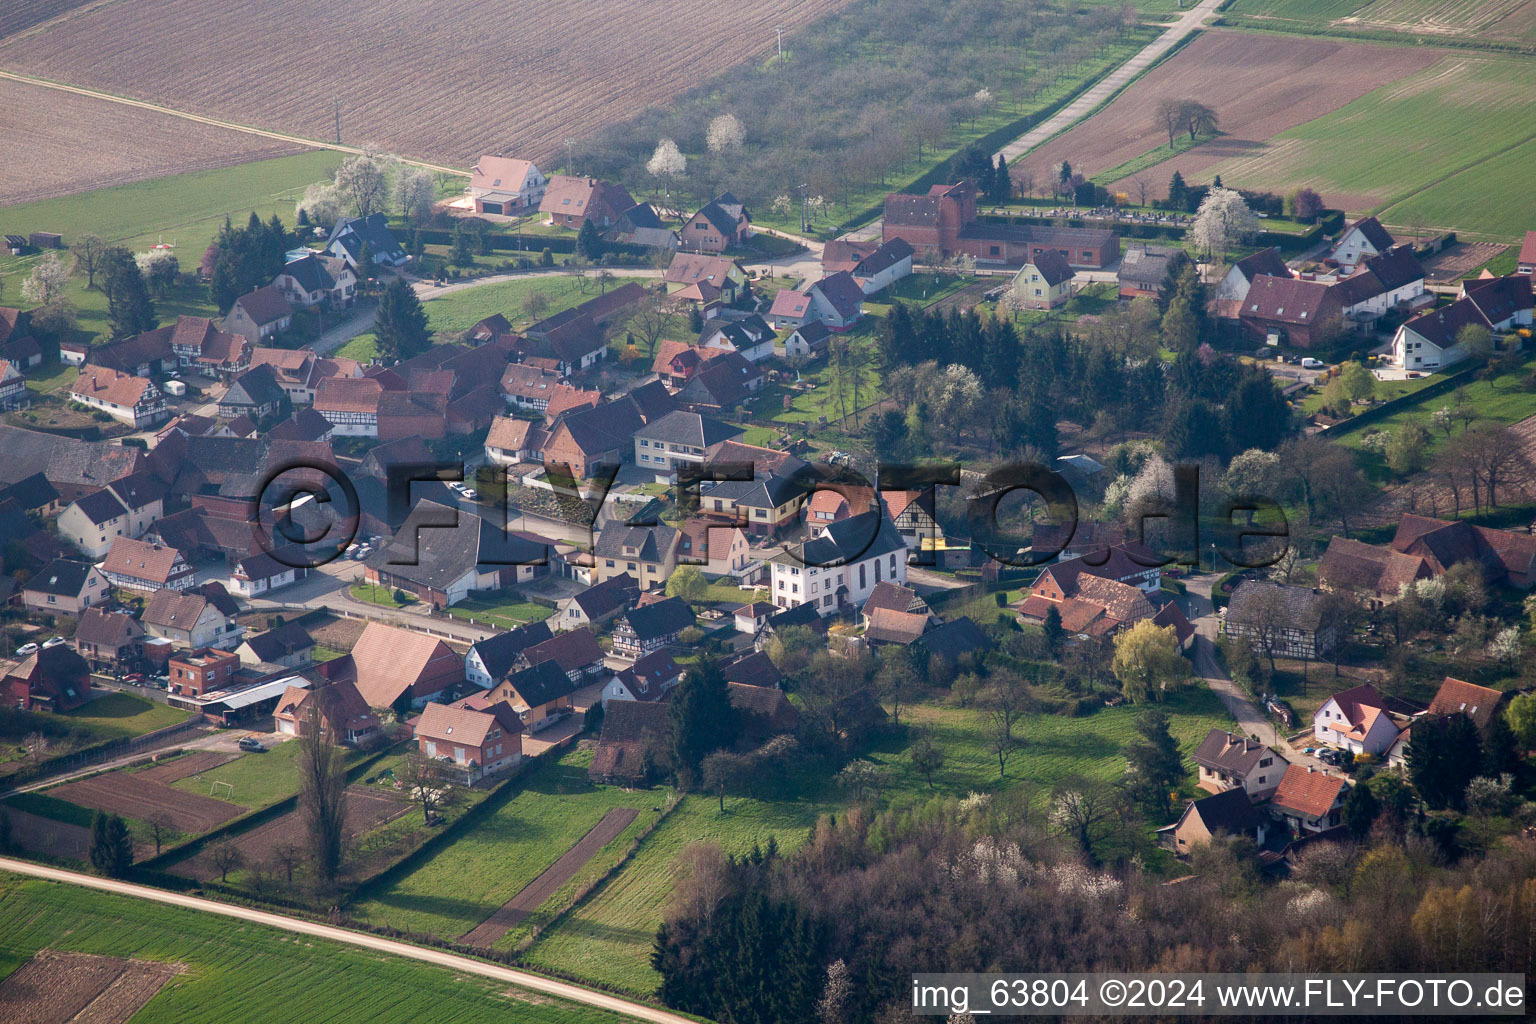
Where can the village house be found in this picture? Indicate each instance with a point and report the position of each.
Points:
(139, 356)
(763, 507)
(724, 278)
(1382, 283)
(17, 345)
(1089, 605)
(1432, 339)
(124, 508)
(1361, 719)
(506, 186)
(352, 235)
(286, 646)
(442, 554)
(539, 694)
(342, 713)
(64, 587)
(1227, 761)
(837, 569)
(836, 300)
(633, 743)
(299, 371)
(1481, 704)
(350, 405)
(141, 565)
(749, 336)
(1424, 547)
(570, 202)
(1361, 240)
(574, 651)
(1228, 812)
(1292, 312)
(125, 397)
(597, 605)
(677, 439)
(491, 659)
(1374, 573)
(201, 347)
(398, 668)
(259, 315)
(480, 743)
(943, 223)
(718, 549)
(648, 628)
(1044, 282)
(13, 386)
(262, 573)
(1285, 621)
(719, 225)
(50, 679)
(1308, 801)
(32, 494)
(528, 387)
(724, 383)
(1525, 262)
(317, 280)
(109, 641)
(1505, 302)
(650, 678)
(647, 554)
(807, 341)
(513, 441)
(255, 394)
(875, 265)
(199, 618)
(1146, 269)
(1238, 280)
(642, 225)
(202, 671)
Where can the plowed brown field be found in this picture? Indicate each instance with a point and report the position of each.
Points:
(430, 79)
(129, 795)
(55, 987)
(1258, 85)
(58, 143)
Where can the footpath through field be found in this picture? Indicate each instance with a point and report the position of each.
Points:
(232, 126)
(438, 958)
(509, 914)
(1111, 83)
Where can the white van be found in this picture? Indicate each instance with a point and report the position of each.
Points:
(1308, 363)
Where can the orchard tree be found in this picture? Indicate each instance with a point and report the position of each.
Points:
(667, 164)
(1147, 662)
(321, 204)
(725, 134)
(362, 185)
(415, 192)
(46, 284)
(88, 249)
(1223, 222)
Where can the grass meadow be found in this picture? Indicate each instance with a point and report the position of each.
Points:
(186, 210)
(120, 715)
(243, 973)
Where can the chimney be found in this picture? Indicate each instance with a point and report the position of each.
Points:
(1309, 769)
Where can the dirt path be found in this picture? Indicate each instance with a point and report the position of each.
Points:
(390, 947)
(200, 119)
(542, 888)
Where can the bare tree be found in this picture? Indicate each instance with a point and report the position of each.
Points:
(1007, 700)
(322, 796)
(1142, 187)
(721, 771)
(160, 828)
(1199, 119)
(423, 777)
(1090, 814)
(1024, 181)
(90, 252)
(535, 303)
(287, 857)
(650, 324)
(1168, 115)
(226, 858)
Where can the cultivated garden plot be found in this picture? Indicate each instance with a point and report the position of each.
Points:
(556, 69)
(55, 987)
(129, 795)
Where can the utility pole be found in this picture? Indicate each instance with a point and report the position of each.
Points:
(780, 30)
(569, 142)
(338, 121)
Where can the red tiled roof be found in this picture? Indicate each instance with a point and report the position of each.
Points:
(1312, 793)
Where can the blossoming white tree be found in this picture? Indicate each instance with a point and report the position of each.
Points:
(667, 163)
(725, 133)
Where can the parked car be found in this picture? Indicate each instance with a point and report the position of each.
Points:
(470, 494)
(54, 641)
(26, 649)
(252, 745)
(1308, 363)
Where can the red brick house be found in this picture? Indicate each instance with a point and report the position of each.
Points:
(570, 202)
(479, 742)
(53, 678)
(343, 713)
(720, 225)
(202, 671)
(943, 223)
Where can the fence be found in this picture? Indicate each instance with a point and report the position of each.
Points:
(66, 763)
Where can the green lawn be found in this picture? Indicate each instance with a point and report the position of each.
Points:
(49, 377)
(243, 973)
(508, 612)
(322, 653)
(186, 210)
(364, 348)
(553, 807)
(256, 779)
(461, 310)
(1501, 399)
(381, 596)
(1451, 144)
(119, 715)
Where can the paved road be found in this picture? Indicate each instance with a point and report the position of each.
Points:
(342, 333)
(1110, 83)
(232, 126)
(389, 947)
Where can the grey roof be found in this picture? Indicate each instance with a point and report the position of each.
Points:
(813, 332)
(107, 629)
(659, 619)
(287, 639)
(1440, 326)
(774, 491)
(542, 683)
(30, 492)
(651, 543)
(311, 273)
(138, 490)
(720, 220)
(255, 387)
(842, 292)
(1228, 752)
(1052, 266)
(498, 653)
(1265, 263)
(951, 639)
(438, 556)
(1501, 298)
(1298, 607)
(62, 577)
(353, 231)
(1378, 236)
(689, 428)
(1396, 267)
(100, 507)
(604, 427)
(886, 256)
(1229, 811)
(602, 598)
(303, 425)
(265, 305)
(866, 535)
(1146, 265)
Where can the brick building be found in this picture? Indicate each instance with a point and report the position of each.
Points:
(943, 224)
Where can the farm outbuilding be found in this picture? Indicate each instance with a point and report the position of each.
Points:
(46, 240)
(15, 244)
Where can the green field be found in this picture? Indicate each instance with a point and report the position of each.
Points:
(508, 613)
(119, 715)
(1445, 144)
(461, 310)
(554, 806)
(242, 972)
(1500, 399)
(186, 210)
(608, 938)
